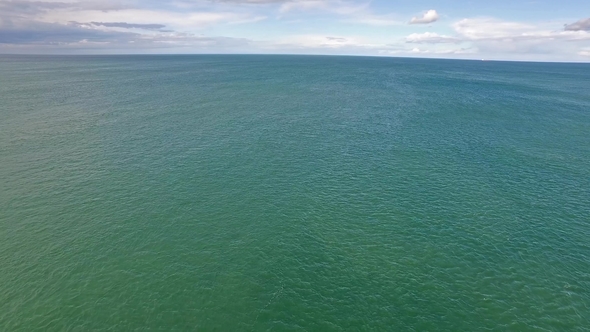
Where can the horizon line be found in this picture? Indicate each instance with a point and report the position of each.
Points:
(298, 54)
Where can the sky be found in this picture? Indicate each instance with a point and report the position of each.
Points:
(538, 30)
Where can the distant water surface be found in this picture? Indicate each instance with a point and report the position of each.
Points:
(293, 193)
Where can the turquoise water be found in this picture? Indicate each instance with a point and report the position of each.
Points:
(292, 193)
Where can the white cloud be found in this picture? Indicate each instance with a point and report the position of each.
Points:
(353, 12)
(505, 39)
(321, 41)
(436, 52)
(375, 20)
(339, 7)
(489, 28)
(430, 37)
(497, 30)
(176, 20)
(494, 30)
(442, 51)
(428, 17)
(71, 26)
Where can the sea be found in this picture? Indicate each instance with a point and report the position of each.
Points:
(293, 193)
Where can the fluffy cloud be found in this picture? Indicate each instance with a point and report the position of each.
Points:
(131, 24)
(496, 30)
(172, 19)
(41, 33)
(108, 22)
(581, 25)
(490, 29)
(58, 38)
(428, 17)
(507, 39)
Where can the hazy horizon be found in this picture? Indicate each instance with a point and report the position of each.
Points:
(287, 55)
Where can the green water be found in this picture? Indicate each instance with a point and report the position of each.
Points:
(288, 193)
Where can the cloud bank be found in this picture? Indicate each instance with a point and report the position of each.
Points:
(353, 27)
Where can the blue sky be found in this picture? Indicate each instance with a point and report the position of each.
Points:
(499, 29)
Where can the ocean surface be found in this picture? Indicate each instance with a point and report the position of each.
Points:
(293, 193)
